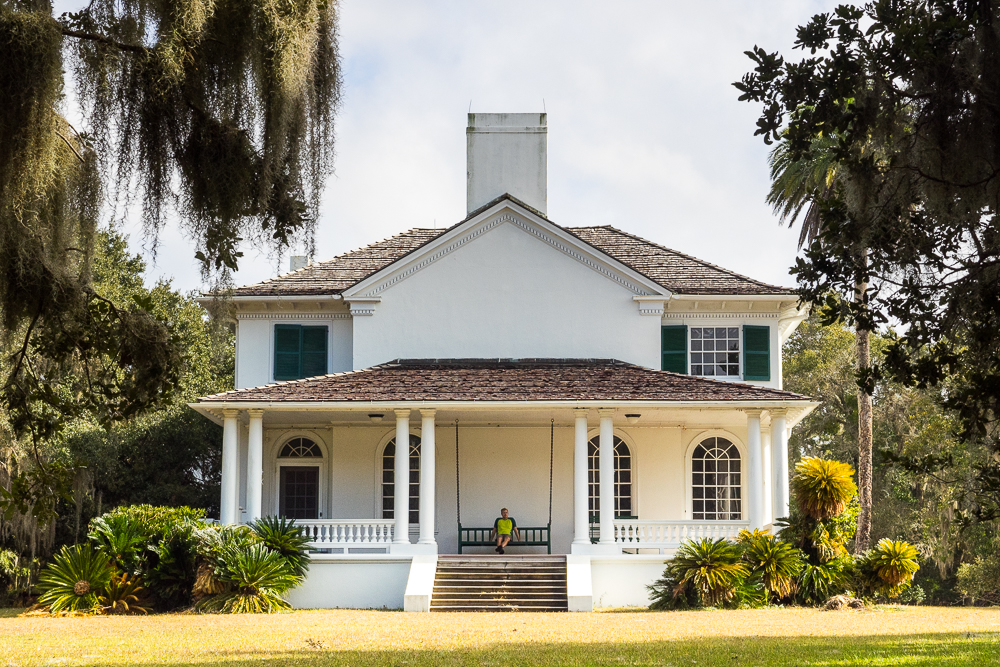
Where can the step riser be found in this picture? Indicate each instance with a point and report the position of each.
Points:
(491, 584)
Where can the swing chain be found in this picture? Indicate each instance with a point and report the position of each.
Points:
(458, 482)
(552, 439)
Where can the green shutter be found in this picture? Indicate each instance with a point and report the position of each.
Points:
(756, 353)
(313, 351)
(674, 347)
(287, 346)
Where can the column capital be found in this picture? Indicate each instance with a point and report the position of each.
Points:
(428, 412)
(403, 413)
(230, 413)
(754, 413)
(779, 412)
(580, 412)
(606, 412)
(255, 413)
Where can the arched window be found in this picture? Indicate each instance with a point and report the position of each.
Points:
(623, 478)
(298, 479)
(716, 481)
(389, 479)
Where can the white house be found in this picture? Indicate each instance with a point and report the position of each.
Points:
(617, 396)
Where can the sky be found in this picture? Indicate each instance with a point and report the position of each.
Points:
(645, 131)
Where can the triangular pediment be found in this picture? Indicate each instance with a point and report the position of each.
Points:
(504, 211)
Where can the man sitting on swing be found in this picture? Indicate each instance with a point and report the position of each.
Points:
(503, 529)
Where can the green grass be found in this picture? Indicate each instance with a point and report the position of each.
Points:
(910, 637)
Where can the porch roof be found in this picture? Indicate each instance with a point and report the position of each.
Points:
(505, 380)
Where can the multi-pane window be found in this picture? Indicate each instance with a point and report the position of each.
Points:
(298, 486)
(715, 351)
(715, 481)
(389, 480)
(623, 478)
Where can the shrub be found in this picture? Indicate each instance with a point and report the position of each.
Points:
(282, 535)
(121, 539)
(255, 577)
(123, 595)
(887, 569)
(980, 580)
(823, 488)
(818, 582)
(74, 580)
(703, 572)
(776, 563)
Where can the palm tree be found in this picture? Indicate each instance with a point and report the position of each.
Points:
(797, 186)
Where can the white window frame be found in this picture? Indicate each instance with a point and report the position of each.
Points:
(321, 463)
(716, 325)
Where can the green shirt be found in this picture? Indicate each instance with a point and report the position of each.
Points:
(504, 526)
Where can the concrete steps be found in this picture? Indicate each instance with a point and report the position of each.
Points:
(500, 583)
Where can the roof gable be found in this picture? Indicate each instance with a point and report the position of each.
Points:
(652, 268)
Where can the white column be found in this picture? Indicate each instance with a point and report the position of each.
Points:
(581, 487)
(755, 472)
(766, 457)
(607, 475)
(255, 464)
(779, 458)
(427, 490)
(229, 505)
(401, 502)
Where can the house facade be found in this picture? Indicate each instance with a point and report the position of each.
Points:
(617, 396)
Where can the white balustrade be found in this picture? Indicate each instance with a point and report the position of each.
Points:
(347, 532)
(639, 534)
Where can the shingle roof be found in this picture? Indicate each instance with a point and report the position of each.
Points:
(676, 271)
(672, 270)
(505, 380)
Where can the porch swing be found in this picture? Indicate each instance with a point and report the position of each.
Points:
(479, 536)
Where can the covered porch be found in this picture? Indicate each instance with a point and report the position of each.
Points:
(623, 460)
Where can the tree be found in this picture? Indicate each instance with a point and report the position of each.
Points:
(172, 456)
(796, 185)
(908, 93)
(220, 111)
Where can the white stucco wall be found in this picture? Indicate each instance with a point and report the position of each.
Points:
(352, 583)
(255, 345)
(506, 294)
(505, 466)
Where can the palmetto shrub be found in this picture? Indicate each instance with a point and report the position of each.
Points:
(816, 583)
(123, 595)
(121, 539)
(887, 569)
(256, 578)
(775, 563)
(282, 535)
(823, 488)
(703, 571)
(75, 579)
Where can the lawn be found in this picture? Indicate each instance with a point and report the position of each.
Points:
(910, 636)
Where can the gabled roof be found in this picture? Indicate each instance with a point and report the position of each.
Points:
(503, 380)
(672, 270)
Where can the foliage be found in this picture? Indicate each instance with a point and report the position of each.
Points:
(980, 580)
(75, 579)
(123, 595)
(705, 570)
(121, 539)
(823, 488)
(906, 93)
(775, 563)
(283, 536)
(256, 578)
(887, 569)
(818, 581)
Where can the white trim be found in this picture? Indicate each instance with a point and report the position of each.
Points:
(701, 315)
(289, 318)
(325, 468)
(471, 228)
(379, 449)
(744, 450)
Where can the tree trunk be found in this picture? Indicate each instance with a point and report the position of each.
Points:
(862, 339)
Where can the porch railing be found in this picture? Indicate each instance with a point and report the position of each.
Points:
(640, 534)
(342, 532)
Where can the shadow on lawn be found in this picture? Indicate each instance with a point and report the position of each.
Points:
(951, 650)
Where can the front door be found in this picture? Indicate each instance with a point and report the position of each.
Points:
(299, 492)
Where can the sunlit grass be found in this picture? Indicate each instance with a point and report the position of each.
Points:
(910, 636)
